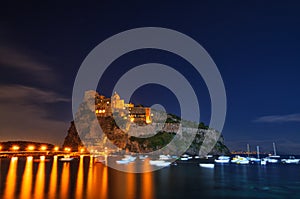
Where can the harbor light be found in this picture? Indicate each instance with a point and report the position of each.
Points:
(56, 148)
(15, 147)
(43, 148)
(31, 147)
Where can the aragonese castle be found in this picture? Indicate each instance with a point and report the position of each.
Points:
(107, 107)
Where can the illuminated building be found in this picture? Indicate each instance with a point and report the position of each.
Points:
(106, 107)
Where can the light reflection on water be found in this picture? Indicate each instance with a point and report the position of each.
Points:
(39, 181)
(27, 184)
(65, 178)
(11, 179)
(81, 178)
(53, 179)
(80, 181)
(147, 184)
(25, 178)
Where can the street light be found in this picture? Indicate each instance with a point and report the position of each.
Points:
(15, 147)
(31, 147)
(43, 148)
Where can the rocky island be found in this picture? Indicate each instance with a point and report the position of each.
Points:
(136, 129)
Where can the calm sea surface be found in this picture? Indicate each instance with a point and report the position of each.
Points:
(24, 178)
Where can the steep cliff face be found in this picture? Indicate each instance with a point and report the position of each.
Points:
(118, 132)
(72, 140)
(140, 141)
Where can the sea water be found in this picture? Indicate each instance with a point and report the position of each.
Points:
(81, 178)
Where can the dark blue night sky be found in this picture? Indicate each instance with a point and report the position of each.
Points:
(255, 44)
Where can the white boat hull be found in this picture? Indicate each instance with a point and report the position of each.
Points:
(222, 161)
(210, 166)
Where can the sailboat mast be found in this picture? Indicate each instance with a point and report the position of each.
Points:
(257, 148)
(274, 148)
(248, 150)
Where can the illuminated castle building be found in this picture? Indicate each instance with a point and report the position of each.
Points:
(106, 107)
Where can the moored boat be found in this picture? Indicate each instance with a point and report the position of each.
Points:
(223, 159)
(240, 160)
(127, 159)
(160, 163)
(66, 159)
(291, 160)
(207, 165)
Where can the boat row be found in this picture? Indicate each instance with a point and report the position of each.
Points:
(263, 161)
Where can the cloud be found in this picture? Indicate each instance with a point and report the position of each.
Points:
(30, 112)
(24, 114)
(22, 93)
(279, 118)
(23, 61)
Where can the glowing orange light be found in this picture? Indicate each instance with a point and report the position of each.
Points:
(15, 148)
(56, 148)
(42, 158)
(43, 148)
(67, 149)
(148, 121)
(132, 119)
(0, 148)
(81, 150)
(30, 147)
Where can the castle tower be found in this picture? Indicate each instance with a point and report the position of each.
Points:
(116, 102)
